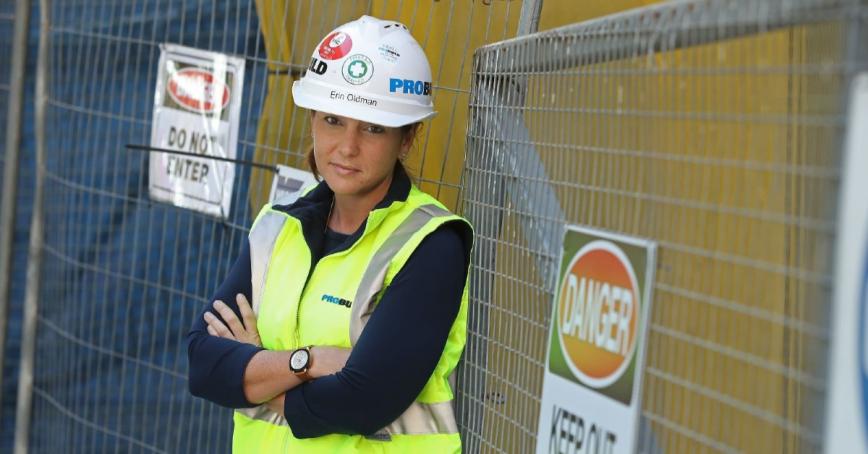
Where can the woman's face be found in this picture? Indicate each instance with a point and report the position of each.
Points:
(356, 158)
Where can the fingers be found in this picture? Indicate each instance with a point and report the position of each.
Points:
(216, 327)
(247, 314)
(229, 317)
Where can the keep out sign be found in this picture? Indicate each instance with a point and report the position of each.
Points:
(592, 385)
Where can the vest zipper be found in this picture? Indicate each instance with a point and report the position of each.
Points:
(304, 288)
(298, 306)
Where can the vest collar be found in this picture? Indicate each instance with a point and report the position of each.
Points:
(313, 208)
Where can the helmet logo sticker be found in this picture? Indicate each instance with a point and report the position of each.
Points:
(358, 69)
(335, 46)
(389, 53)
(318, 66)
(410, 87)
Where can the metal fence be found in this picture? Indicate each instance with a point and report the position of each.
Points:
(711, 127)
(121, 277)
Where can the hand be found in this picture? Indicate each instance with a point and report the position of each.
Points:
(327, 360)
(233, 328)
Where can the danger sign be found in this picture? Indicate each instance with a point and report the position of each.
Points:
(196, 111)
(597, 313)
(591, 389)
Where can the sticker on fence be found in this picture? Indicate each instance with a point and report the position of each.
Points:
(847, 408)
(289, 184)
(196, 111)
(591, 399)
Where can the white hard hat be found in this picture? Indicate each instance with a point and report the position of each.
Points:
(371, 70)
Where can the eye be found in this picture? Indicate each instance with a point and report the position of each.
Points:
(331, 120)
(375, 129)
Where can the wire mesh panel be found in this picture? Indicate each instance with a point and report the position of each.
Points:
(712, 128)
(123, 276)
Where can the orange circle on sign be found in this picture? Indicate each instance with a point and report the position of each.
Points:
(598, 309)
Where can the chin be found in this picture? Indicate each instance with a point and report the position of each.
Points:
(343, 185)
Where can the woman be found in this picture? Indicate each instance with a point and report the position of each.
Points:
(339, 326)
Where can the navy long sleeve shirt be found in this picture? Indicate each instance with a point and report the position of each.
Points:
(389, 365)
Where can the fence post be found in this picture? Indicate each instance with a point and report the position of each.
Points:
(34, 259)
(10, 169)
(528, 21)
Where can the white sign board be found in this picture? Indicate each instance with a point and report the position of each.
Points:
(591, 399)
(289, 184)
(196, 109)
(847, 404)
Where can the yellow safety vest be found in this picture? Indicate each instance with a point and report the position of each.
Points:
(280, 263)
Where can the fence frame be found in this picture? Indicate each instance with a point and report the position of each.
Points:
(34, 253)
(10, 169)
(514, 153)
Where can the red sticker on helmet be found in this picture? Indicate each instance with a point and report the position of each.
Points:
(335, 46)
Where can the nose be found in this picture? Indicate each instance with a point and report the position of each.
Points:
(349, 144)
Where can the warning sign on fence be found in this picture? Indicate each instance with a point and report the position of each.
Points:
(289, 184)
(591, 397)
(196, 111)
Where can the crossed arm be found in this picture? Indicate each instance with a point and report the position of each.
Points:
(267, 376)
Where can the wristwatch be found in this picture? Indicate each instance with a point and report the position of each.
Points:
(300, 362)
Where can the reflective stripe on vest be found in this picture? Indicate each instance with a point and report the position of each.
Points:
(419, 418)
(266, 231)
(372, 281)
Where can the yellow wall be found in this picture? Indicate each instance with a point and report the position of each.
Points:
(558, 13)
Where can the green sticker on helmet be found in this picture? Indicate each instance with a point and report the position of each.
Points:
(358, 69)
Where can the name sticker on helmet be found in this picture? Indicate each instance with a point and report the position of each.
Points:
(335, 46)
(358, 69)
(352, 97)
(410, 87)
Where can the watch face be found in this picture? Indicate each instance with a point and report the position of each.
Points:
(298, 360)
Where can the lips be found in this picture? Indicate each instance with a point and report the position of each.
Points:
(343, 170)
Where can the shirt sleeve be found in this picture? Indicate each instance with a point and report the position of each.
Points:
(396, 352)
(217, 365)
